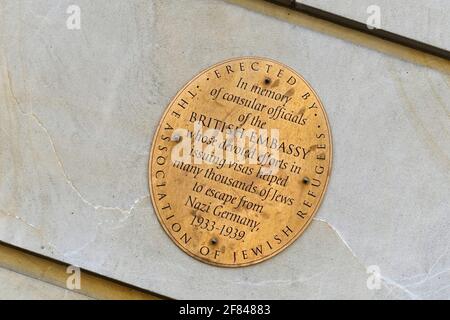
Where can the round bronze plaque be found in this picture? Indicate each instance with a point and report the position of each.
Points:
(240, 162)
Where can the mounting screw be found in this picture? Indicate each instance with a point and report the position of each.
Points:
(267, 81)
(176, 137)
(213, 241)
(306, 180)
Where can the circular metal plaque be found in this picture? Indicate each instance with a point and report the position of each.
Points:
(240, 162)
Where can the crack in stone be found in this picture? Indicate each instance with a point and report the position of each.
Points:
(11, 92)
(30, 225)
(340, 237)
(388, 282)
(428, 276)
(59, 160)
(392, 283)
(68, 254)
(8, 214)
(125, 212)
(428, 293)
(72, 185)
(69, 181)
